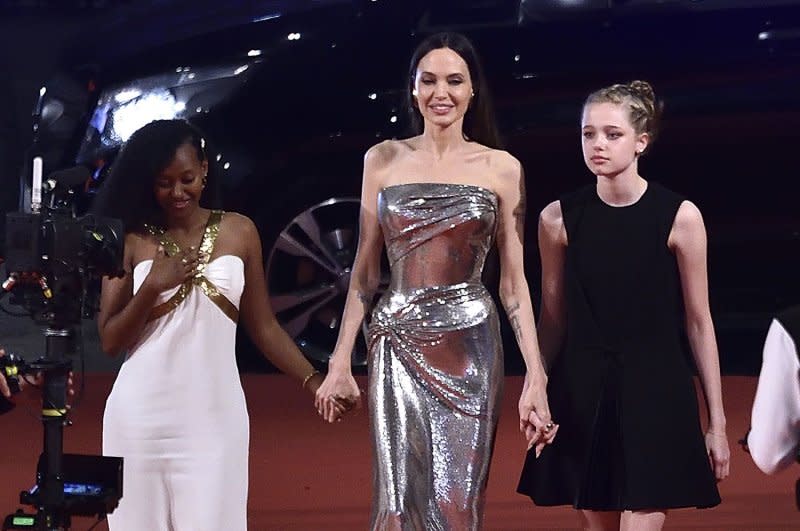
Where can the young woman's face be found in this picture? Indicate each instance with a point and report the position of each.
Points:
(180, 184)
(443, 87)
(610, 143)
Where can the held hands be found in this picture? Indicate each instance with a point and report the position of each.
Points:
(718, 452)
(535, 421)
(337, 395)
(313, 381)
(168, 272)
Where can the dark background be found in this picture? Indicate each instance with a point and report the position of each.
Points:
(33, 36)
(729, 140)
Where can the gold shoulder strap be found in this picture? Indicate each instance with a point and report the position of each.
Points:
(204, 254)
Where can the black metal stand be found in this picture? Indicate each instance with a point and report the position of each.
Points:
(48, 496)
(50, 479)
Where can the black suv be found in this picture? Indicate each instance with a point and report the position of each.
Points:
(292, 93)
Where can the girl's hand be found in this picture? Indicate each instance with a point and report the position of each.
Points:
(535, 421)
(168, 272)
(718, 453)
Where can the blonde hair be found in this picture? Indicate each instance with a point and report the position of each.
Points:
(639, 98)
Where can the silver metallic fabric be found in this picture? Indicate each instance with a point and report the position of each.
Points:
(436, 360)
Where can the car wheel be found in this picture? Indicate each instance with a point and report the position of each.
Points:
(308, 273)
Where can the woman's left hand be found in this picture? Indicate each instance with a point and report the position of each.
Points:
(534, 417)
(718, 453)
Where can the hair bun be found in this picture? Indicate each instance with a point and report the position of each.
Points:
(643, 90)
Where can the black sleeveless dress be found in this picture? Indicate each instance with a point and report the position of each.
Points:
(621, 389)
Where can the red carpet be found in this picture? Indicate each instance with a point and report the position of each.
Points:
(307, 475)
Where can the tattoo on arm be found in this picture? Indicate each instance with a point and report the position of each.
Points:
(519, 210)
(513, 317)
(366, 300)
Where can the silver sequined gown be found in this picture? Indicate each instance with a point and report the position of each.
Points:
(436, 359)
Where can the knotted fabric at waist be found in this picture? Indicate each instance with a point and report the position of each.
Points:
(435, 308)
(445, 336)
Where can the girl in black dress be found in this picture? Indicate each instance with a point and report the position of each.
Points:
(623, 275)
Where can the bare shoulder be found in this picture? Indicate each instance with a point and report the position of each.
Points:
(379, 158)
(505, 162)
(551, 222)
(133, 240)
(383, 153)
(688, 217)
(238, 236)
(507, 174)
(238, 224)
(138, 247)
(552, 214)
(688, 229)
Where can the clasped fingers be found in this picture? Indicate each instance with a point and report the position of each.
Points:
(336, 396)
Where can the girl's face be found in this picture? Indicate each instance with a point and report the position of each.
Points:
(442, 87)
(180, 184)
(610, 143)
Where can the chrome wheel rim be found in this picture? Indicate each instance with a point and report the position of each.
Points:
(308, 274)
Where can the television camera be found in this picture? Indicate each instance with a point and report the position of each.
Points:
(54, 261)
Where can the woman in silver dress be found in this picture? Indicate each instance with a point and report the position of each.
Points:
(438, 201)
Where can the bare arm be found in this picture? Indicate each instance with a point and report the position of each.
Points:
(552, 248)
(365, 275)
(688, 241)
(535, 420)
(339, 383)
(514, 292)
(257, 316)
(123, 315)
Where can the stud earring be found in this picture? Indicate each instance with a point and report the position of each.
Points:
(414, 93)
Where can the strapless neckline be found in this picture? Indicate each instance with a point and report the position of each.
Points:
(443, 185)
(239, 258)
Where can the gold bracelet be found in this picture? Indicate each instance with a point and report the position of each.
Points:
(307, 378)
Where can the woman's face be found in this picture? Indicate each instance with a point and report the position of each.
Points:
(180, 184)
(443, 87)
(610, 143)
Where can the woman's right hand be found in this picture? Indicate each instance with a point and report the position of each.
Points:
(168, 272)
(338, 394)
